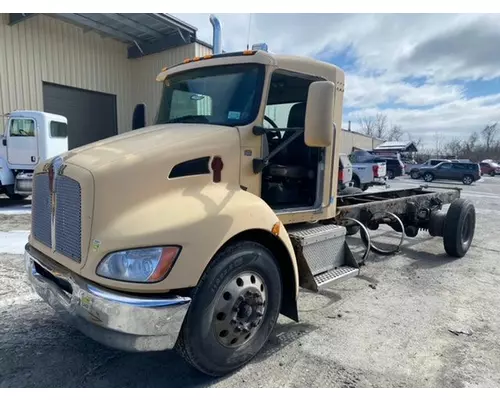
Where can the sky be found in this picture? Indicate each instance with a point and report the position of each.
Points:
(432, 74)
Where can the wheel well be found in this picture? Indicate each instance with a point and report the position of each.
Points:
(271, 242)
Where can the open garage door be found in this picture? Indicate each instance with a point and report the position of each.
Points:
(91, 115)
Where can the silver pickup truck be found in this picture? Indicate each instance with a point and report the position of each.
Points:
(366, 173)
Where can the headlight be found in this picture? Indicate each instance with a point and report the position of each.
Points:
(139, 265)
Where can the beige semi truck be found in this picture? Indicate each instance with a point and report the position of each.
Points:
(197, 232)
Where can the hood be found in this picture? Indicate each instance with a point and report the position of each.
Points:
(159, 141)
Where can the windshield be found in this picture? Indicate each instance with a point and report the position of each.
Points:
(221, 95)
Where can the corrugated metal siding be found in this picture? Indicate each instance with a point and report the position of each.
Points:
(46, 49)
(145, 87)
(202, 50)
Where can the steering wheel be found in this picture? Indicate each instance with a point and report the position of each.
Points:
(271, 122)
(273, 135)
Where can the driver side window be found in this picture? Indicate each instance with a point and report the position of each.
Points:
(278, 113)
(22, 128)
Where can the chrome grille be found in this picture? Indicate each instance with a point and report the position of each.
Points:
(41, 205)
(68, 218)
(68, 221)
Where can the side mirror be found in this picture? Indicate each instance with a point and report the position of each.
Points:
(319, 123)
(139, 116)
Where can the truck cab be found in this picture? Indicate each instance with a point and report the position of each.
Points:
(30, 138)
(226, 218)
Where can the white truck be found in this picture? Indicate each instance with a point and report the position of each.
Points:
(30, 137)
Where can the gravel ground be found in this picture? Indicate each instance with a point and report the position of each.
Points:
(416, 319)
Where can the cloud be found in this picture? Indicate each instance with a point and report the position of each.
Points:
(416, 68)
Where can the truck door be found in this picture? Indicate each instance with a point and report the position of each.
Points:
(22, 143)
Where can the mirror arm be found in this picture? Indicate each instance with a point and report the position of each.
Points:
(260, 163)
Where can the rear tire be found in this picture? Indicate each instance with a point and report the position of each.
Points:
(492, 173)
(467, 180)
(414, 175)
(353, 229)
(241, 287)
(390, 174)
(459, 227)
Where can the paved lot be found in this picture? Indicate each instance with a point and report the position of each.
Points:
(390, 327)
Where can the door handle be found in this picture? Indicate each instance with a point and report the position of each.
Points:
(33, 158)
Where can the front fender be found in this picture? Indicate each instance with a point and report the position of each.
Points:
(201, 220)
(6, 175)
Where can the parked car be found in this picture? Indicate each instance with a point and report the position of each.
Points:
(394, 165)
(489, 168)
(415, 170)
(459, 171)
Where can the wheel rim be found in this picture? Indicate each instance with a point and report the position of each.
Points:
(466, 232)
(239, 310)
(414, 175)
(428, 178)
(467, 180)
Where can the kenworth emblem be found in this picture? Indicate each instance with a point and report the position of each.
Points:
(54, 171)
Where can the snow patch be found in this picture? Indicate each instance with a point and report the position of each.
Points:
(13, 242)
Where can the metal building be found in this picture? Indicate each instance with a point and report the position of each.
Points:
(94, 69)
(91, 68)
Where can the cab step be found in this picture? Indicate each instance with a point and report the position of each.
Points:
(323, 255)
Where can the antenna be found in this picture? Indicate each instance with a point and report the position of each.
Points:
(249, 28)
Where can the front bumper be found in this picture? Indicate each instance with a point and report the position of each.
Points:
(123, 321)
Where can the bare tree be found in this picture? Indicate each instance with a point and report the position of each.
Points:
(375, 126)
(367, 125)
(381, 126)
(453, 147)
(488, 133)
(395, 133)
(438, 143)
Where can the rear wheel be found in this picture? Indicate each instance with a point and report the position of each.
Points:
(390, 174)
(414, 175)
(459, 227)
(492, 173)
(234, 309)
(467, 180)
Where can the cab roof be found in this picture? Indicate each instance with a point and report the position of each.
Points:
(299, 64)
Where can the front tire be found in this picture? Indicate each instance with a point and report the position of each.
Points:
(234, 309)
(428, 177)
(414, 175)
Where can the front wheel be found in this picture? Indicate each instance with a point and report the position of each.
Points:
(234, 309)
(428, 177)
(492, 173)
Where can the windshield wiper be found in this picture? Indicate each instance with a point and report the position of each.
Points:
(188, 119)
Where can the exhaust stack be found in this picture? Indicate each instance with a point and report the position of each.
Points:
(217, 37)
